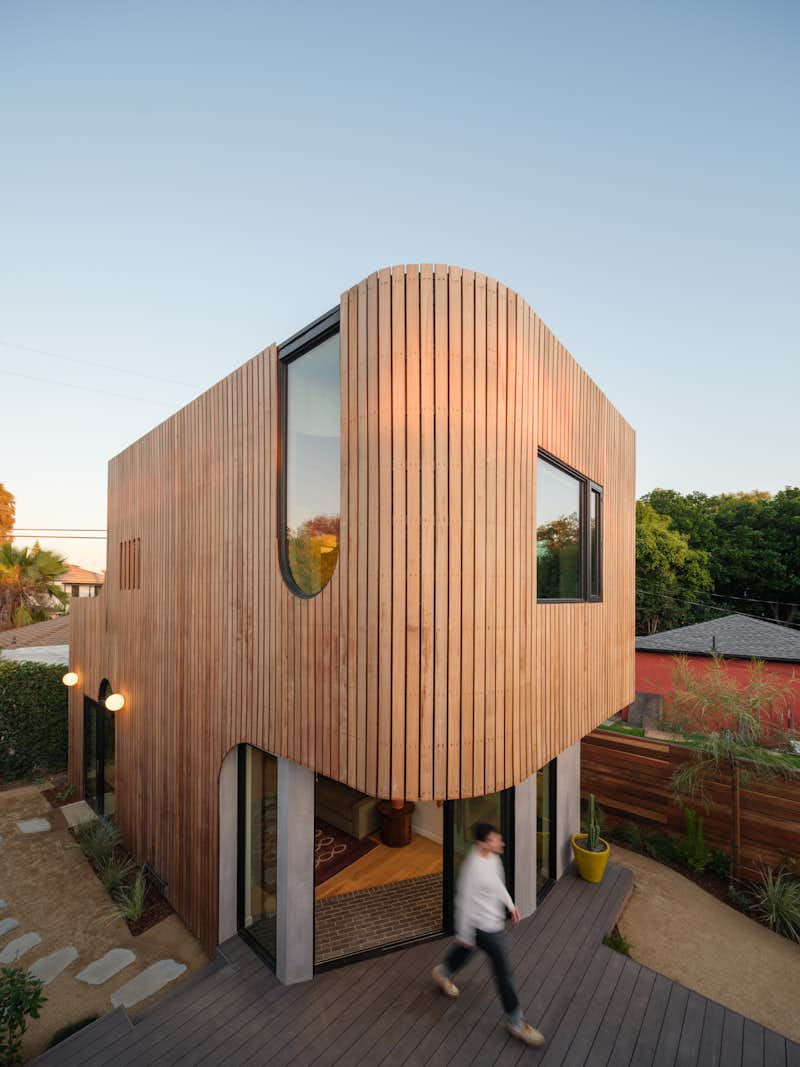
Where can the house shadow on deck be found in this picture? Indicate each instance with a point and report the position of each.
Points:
(594, 1005)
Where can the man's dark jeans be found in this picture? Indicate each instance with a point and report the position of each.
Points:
(492, 944)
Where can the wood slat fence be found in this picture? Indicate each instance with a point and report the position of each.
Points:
(631, 779)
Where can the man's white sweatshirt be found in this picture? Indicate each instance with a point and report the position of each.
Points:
(481, 896)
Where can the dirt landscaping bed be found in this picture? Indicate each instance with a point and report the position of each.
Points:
(682, 931)
(51, 890)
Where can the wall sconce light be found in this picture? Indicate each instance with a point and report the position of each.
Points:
(70, 678)
(115, 702)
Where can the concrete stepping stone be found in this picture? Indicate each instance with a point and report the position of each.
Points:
(33, 826)
(19, 946)
(7, 925)
(3, 905)
(107, 966)
(151, 979)
(49, 967)
(79, 811)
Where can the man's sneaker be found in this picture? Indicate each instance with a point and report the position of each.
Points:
(443, 982)
(526, 1033)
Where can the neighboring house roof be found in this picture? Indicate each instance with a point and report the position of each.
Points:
(37, 635)
(735, 635)
(78, 576)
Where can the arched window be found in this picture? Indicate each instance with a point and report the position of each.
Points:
(309, 523)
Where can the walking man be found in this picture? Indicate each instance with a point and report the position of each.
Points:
(481, 904)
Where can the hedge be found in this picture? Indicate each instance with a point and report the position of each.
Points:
(33, 719)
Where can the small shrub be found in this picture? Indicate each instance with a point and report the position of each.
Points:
(775, 901)
(628, 834)
(70, 1029)
(719, 864)
(129, 900)
(739, 897)
(63, 795)
(97, 839)
(114, 872)
(616, 941)
(697, 855)
(20, 996)
(658, 845)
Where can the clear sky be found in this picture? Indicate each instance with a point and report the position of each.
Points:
(183, 183)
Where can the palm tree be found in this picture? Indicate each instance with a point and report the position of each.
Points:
(740, 734)
(27, 589)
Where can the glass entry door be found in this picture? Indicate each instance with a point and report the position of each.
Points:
(462, 815)
(99, 749)
(257, 904)
(91, 766)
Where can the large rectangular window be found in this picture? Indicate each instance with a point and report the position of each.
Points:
(568, 534)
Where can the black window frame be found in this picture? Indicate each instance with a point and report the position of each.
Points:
(587, 487)
(293, 348)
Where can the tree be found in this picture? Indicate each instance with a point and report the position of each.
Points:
(753, 544)
(7, 512)
(27, 589)
(741, 733)
(669, 573)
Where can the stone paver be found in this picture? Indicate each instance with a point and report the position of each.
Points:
(151, 979)
(49, 967)
(20, 945)
(107, 966)
(3, 905)
(79, 811)
(7, 925)
(33, 826)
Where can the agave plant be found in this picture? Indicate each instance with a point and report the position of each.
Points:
(97, 839)
(114, 872)
(775, 901)
(129, 901)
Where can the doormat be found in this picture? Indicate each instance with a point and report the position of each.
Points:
(334, 850)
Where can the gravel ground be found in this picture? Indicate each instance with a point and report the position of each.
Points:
(51, 889)
(682, 931)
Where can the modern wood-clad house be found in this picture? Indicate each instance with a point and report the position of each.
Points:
(372, 586)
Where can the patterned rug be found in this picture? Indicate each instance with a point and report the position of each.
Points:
(334, 850)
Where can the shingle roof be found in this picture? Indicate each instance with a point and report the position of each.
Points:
(38, 634)
(736, 635)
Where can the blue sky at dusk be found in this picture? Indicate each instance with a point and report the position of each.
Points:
(184, 183)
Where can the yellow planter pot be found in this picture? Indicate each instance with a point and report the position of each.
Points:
(591, 865)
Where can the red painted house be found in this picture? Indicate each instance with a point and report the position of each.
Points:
(737, 638)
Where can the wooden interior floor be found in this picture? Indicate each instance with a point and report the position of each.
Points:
(383, 865)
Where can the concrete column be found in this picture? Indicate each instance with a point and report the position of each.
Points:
(525, 846)
(295, 962)
(228, 802)
(568, 804)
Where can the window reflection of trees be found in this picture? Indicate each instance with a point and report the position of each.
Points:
(558, 557)
(313, 549)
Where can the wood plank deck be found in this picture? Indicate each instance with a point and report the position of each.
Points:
(595, 1007)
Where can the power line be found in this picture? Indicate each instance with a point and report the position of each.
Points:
(59, 537)
(93, 363)
(86, 388)
(56, 529)
(710, 607)
(755, 599)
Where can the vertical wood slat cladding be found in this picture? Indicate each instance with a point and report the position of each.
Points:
(425, 668)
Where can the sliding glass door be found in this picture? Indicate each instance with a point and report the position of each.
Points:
(258, 849)
(462, 816)
(545, 829)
